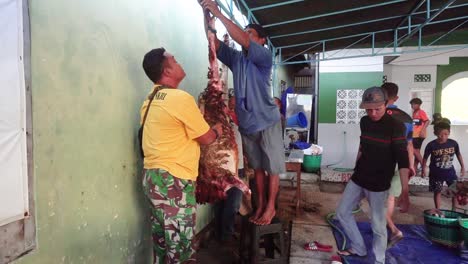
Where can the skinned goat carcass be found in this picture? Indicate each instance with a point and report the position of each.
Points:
(218, 161)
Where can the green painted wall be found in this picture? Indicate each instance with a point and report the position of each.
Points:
(329, 83)
(88, 86)
(457, 64)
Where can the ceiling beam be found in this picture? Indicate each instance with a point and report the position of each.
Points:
(332, 13)
(413, 12)
(275, 5)
(447, 33)
(368, 33)
(428, 20)
(361, 23)
(332, 28)
(251, 16)
(229, 12)
(300, 53)
(391, 53)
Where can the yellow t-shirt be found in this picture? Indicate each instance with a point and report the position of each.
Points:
(172, 124)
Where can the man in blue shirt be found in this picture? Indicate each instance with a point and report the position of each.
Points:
(258, 115)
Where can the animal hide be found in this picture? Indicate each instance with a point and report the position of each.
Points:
(218, 161)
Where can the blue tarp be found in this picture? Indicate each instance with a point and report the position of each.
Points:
(415, 247)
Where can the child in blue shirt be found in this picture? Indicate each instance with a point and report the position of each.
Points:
(442, 150)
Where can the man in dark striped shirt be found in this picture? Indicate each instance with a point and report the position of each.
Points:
(382, 146)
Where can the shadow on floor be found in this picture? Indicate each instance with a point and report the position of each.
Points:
(311, 225)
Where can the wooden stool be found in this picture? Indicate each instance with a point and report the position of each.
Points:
(250, 243)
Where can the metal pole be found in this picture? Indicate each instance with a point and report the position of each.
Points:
(420, 39)
(323, 47)
(373, 43)
(428, 9)
(280, 55)
(316, 95)
(409, 25)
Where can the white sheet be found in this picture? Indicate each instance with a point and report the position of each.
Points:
(13, 159)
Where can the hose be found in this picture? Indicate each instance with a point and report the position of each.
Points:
(341, 159)
(329, 218)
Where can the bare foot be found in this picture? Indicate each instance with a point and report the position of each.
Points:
(404, 204)
(266, 218)
(257, 215)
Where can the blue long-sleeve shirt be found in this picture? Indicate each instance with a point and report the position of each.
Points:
(251, 71)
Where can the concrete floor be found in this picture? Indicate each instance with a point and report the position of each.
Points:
(318, 200)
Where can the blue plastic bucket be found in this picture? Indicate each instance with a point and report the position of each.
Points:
(297, 120)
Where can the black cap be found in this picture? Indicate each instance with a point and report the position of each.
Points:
(373, 97)
(416, 101)
(260, 30)
(153, 64)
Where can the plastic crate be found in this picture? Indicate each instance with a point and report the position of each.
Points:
(464, 229)
(444, 230)
(312, 163)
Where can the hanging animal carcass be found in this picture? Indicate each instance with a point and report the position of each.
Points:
(218, 161)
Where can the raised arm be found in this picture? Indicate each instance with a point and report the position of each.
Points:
(207, 21)
(236, 33)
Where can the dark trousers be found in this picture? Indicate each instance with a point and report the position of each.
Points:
(225, 213)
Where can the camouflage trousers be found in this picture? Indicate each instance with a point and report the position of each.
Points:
(173, 208)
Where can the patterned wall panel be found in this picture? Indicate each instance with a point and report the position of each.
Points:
(422, 78)
(347, 106)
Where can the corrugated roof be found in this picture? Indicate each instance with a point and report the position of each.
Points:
(295, 26)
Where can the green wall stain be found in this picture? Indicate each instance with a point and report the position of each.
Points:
(457, 64)
(329, 83)
(87, 88)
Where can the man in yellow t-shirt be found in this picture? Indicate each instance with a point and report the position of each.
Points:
(173, 129)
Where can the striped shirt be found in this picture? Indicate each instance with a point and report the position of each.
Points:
(383, 145)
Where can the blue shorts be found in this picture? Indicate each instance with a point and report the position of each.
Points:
(417, 142)
(435, 184)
